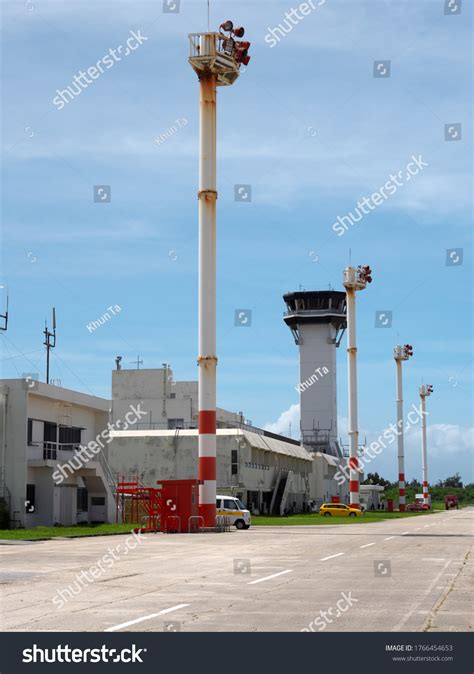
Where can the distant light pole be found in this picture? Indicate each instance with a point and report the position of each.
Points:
(401, 353)
(354, 279)
(425, 391)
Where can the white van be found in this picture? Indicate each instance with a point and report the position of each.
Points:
(234, 509)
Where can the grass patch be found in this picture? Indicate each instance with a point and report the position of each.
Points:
(70, 532)
(316, 519)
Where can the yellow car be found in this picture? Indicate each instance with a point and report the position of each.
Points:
(339, 510)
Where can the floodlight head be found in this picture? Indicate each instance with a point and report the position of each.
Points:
(227, 26)
(241, 52)
(239, 32)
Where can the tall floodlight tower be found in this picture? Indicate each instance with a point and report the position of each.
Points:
(401, 353)
(216, 58)
(425, 391)
(353, 280)
(317, 320)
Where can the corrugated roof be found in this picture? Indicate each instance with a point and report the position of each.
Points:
(332, 460)
(278, 446)
(254, 439)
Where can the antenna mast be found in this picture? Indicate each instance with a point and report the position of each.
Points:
(5, 317)
(49, 342)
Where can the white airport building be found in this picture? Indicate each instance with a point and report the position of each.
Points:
(42, 427)
(149, 431)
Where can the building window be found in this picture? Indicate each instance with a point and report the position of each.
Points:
(97, 500)
(30, 432)
(69, 435)
(30, 503)
(175, 423)
(172, 396)
(82, 499)
(234, 462)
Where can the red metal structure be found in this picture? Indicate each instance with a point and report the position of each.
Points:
(172, 507)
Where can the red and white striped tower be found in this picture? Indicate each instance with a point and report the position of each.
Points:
(354, 279)
(400, 354)
(424, 392)
(216, 58)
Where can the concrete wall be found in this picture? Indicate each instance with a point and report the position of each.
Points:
(318, 402)
(14, 437)
(153, 457)
(162, 397)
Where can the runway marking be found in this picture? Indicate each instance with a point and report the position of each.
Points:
(146, 617)
(404, 533)
(409, 613)
(324, 559)
(274, 575)
(367, 545)
(389, 538)
(427, 525)
(434, 559)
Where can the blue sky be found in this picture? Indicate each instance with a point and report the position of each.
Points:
(311, 129)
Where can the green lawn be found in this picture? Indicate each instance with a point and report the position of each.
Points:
(70, 532)
(316, 519)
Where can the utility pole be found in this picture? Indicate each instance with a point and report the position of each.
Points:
(354, 279)
(49, 341)
(216, 59)
(4, 317)
(400, 354)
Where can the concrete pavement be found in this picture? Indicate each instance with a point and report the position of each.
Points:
(410, 574)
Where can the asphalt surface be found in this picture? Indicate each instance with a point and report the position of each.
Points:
(413, 574)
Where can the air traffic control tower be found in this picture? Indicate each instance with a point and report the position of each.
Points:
(317, 320)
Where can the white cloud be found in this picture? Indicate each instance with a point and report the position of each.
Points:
(282, 424)
(443, 439)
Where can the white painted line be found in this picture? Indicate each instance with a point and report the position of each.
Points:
(409, 613)
(427, 525)
(274, 575)
(404, 533)
(146, 617)
(434, 559)
(389, 538)
(367, 545)
(418, 529)
(324, 559)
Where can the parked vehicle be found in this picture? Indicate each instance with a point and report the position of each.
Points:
(451, 501)
(233, 508)
(412, 507)
(339, 510)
